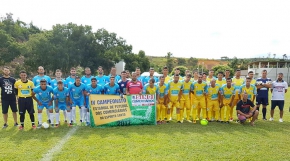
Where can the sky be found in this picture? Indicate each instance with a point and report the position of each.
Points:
(186, 28)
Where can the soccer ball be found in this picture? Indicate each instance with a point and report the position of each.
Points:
(242, 118)
(203, 122)
(45, 125)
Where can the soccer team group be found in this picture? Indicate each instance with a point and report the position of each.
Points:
(192, 97)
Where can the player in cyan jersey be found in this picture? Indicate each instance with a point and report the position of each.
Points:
(237, 83)
(213, 101)
(44, 99)
(138, 74)
(61, 97)
(93, 88)
(150, 88)
(71, 79)
(175, 90)
(101, 78)
(58, 78)
(112, 88)
(114, 74)
(77, 99)
(185, 101)
(86, 79)
(227, 92)
(162, 100)
(151, 76)
(199, 91)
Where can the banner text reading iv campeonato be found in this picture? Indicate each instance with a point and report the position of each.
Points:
(112, 110)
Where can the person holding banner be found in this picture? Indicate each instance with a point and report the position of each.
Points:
(150, 88)
(161, 101)
(134, 86)
(175, 89)
(112, 88)
(93, 88)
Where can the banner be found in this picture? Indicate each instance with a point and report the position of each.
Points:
(112, 110)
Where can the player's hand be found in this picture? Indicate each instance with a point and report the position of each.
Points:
(49, 103)
(222, 105)
(88, 94)
(121, 95)
(230, 104)
(39, 103)
(71, 102)
(140, 93)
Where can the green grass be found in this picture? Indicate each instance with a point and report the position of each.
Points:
(216, 141)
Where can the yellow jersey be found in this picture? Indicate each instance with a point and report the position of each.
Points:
(253, 82)
(148, 90)
(174, 89)
(209, 79)
(199, 90)
(213, 92)
(227, 93)
(162, 90)
(167, 79)
(186, 88)
(221, 83)
(237, 83)
(251, 91)
(24, 89)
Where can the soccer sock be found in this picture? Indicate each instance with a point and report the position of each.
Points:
(171, 112)
(73, 114)
(204, 113)
(178, 114)
(228, 109)
(194, 112)
(22, 117)
(81, 114)
(68, 115)
(64, 115)
(56, 118)
(158, 112)
(198, 113)
(217, 115)
(51, 118)
(88, 117)
(264, 111)
(31, 115)
(223, 110)
(231, 112)
(39, 116)
(187, 114)
(163, 112)
(209, 114)
(47, 113)
(84, 113)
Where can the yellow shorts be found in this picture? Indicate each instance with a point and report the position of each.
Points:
(185, 103)
(199, 103)
(173, 104)
(214, 105)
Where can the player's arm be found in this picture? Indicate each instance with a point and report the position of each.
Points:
(232, 99)
(179, 95)
(286, 86)
(33, 96)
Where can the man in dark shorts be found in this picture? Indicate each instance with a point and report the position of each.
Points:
(8, 96)
(24, 89)
(246, 109)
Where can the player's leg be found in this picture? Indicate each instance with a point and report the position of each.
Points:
(68, 114)
(223, 113)
(22, 110)
(163, 113)
(30, 110)
(216, 110)
(51, 115)
(203, 106)
(194, 111)
(39, 115)
(254, 117)
(158, 109)
(228, 111)
(73, 111)
(209, 110)
(182, 107)
(264, 110)
(273, 105)
(232, 109)
(187, 107)
(13, 107)
(178, 114)
(83, 111)
(169, 106)
(281, 107)
(5, 106)
(56, 110)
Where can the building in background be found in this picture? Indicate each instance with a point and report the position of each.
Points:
(120, 66)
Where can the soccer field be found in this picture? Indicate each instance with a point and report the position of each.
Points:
(187, 141)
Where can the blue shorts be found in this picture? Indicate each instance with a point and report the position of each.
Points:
(79, 102)
(62, 106)
(44, 105)
(262, 100)
(279, 103)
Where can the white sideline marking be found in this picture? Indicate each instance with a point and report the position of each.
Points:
(57, 148)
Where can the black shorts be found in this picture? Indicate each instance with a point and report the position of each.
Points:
(6, 104)
(279, 103)
(262, 100)
(25, 104)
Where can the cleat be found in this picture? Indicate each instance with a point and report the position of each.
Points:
(237, 121)
(48, 121)
(158, 122)
(88, 124)
(56, 126)
(52, 125)
(280, 120)
(197, 119)
(16, 124)
(179, 122)
(194, 121)
(227, 122)
(39, 126)
(264, 119)
(33, 127)
(5, 126)
(65, 121)
(231, 119)
(21, 127)
(189, 121)
(222, 121)
(70, 125)
(167, 122)
(271, 119)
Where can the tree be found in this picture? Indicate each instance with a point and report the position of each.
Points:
(136, 60)
(222, 68)
(9, 48)
(169, 61)
(181, 61)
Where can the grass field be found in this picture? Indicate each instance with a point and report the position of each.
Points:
(216, 141)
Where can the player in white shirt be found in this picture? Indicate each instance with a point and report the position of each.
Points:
(278, 90)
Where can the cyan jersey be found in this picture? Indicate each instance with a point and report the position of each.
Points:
(146, 80)
(60, 96)
(141, 79)
(86, 80)
(162, 90)
(53, 83)
(69, 81)
(36, 80)
(44, 96)
(227, 92)
(117, 78)
(111, 90)
(102, 80)
(76, 92)
(97, 90)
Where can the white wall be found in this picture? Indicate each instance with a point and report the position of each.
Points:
(120, 67)
(272, 73)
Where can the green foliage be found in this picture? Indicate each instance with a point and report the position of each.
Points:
(169, 61)
(181, 61)
(236, 63)
(192, 62)
(182, 70)
(222, 68)
(136, 60)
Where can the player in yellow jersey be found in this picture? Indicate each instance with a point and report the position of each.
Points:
(199, 90)
(175, 90)
(210, 76)
(176, 71)
(227, 92)
(194, 79)
(23, 89)
(251, 75)
(220, 81)
(213, 101)
(237, 83)
(161, 101)
(185, 101)
(250, 89)
(150, 88)
(165, 74)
